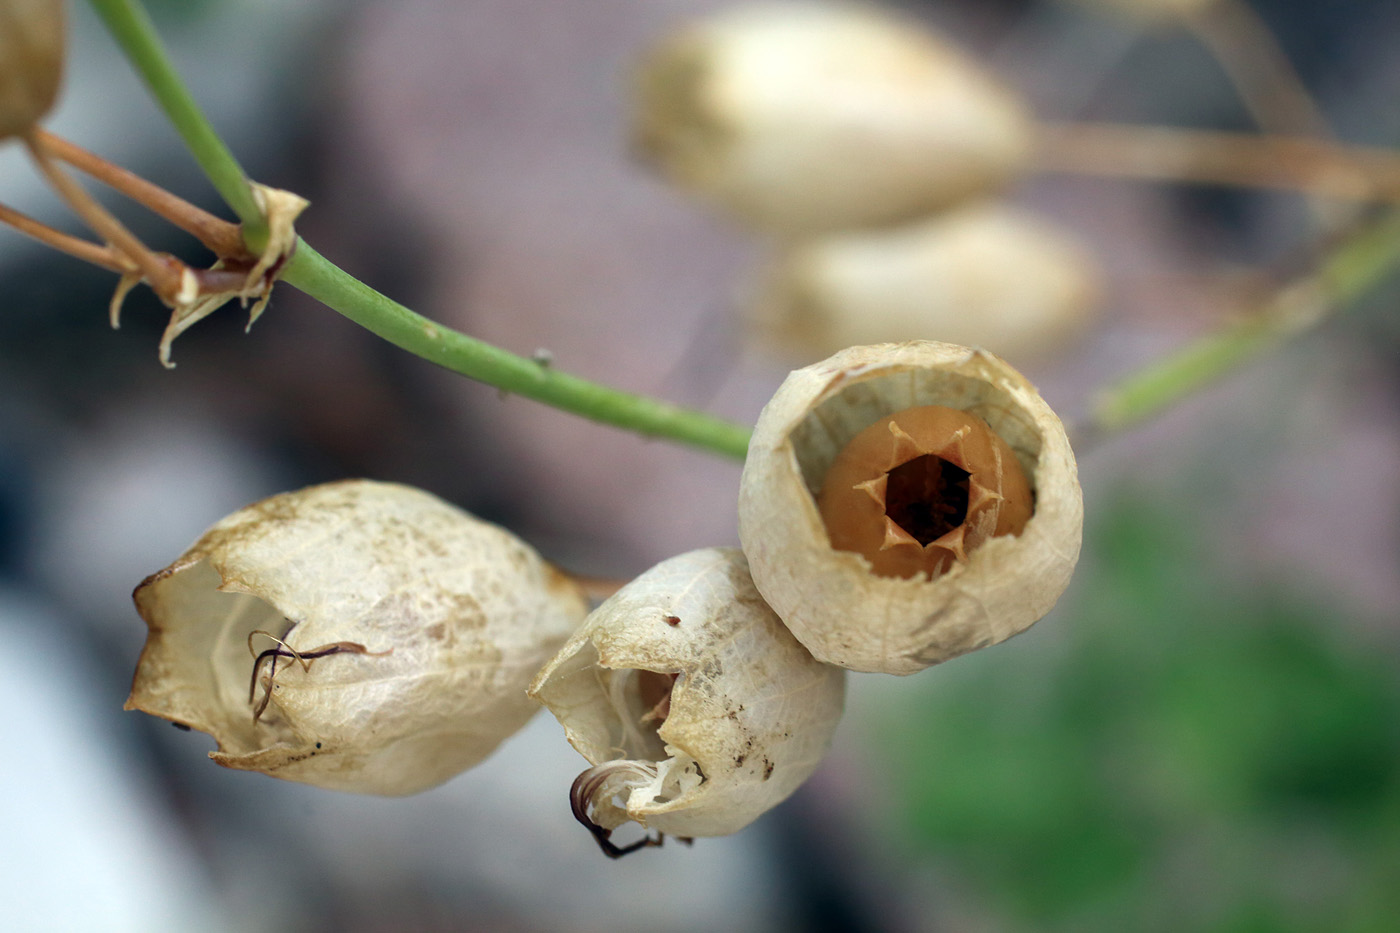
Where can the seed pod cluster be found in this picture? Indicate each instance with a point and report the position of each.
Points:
(358, 636)
(32, 36)
(692, 701)
(972, 548)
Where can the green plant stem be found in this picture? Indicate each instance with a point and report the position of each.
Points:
(311, 272)
(130, 25)
(1353, 266)
(318, 277)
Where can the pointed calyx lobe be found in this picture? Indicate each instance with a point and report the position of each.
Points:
(919, 490)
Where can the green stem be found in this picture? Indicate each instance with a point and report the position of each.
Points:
(1351, 268)
(311, 272)
(130, 25)
(318, 277)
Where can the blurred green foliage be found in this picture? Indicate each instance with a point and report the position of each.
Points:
(1184, 754)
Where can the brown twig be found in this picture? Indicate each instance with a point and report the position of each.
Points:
(98, 255)
(1312, 166)
(162, 274)
(1262, 75)
(221, 237)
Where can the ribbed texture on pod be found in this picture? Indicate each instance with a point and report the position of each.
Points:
(749, 715)
(419, 627)
(805, 118)
(829, 599)
(986, 275)
(31, 61)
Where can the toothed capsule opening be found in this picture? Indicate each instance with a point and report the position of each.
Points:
(927, 497)
(920, 489)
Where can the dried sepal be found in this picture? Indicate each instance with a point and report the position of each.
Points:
(803, 118)
(945, 275)
(249, 280)
(358, 636)
(833, 600)
(697, 708)
(32, 38)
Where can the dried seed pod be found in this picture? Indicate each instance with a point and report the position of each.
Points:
(32, 38)
(692, 701)
(945, 275)
(358, 636)
(806, 118)
(901, 617)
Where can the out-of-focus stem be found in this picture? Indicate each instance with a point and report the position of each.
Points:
(1262, 75)
(1355, 265)
(98, 255)
(1314, 166)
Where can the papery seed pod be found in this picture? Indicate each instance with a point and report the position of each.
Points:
(32, 37)
(692, 701)
(949, 275)
(806, 118)
(902, 618)
(358, 636)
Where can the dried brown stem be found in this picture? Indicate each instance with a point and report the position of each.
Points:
(221, 237)
(1263, 76)
(98, 255)
(587, 786)
(1313, 166)
(162, 275)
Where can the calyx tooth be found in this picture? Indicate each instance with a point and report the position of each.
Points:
(952, 542)
(953, 451)
(896, 536)
(979, 496)
(875, 488)
(905, 447)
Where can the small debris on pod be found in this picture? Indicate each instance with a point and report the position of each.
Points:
(358, 636)
(32, 37)
(875, 581)
(946, 275)
(693, 728)
(804, 118)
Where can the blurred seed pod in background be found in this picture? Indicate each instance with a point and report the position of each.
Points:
(883, 505)
(32, 37)
(357, 636)
(800, 119)
(691, 699)
(986, 275)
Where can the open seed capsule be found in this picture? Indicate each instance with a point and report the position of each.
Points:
(906, 503)
(358, 636)
(695, 705)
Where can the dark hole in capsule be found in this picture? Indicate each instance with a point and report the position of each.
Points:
(927, 497)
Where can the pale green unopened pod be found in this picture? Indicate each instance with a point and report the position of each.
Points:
(357, 636)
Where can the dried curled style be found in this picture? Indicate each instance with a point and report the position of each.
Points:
(588, 788)
(469, 610)
(692, 728)
(304, 658)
